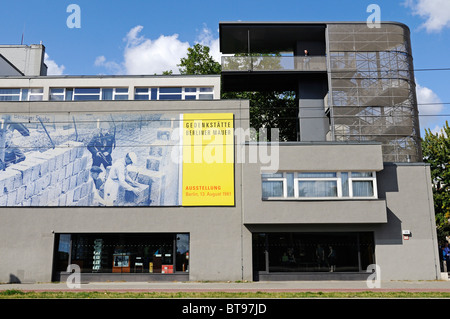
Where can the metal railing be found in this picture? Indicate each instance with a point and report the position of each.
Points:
(274, 63)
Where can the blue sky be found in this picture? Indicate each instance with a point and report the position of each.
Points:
(150, 36)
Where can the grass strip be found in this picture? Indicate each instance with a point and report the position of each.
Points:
(19, 294)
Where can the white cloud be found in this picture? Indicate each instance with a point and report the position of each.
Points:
(429, 105)
(436, 13)
(52, 67)
(111, 66)
(147, 56)
(206, 38)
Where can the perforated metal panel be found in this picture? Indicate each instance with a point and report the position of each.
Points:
(372, 89)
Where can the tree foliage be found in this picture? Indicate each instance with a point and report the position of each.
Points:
(436, 152)
(267, 109)
(199, 61)
(271, 110)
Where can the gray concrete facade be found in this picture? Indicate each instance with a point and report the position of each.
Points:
(28, 233)
(221, 237)
(405, 202)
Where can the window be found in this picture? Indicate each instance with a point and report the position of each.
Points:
(316, 185)
(18, 94)
(123, 253)
(174, 93)
(312, 252)
(363, 184)
(274, 185)
(170, 93)
(319, 185)
(206, 93)
(88, 94)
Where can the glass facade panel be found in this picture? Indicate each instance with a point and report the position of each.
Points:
(121, 97)
(10, 91)
(154, 93)
(290, 184)
(9, 97)
(69, 94)
(56, 91)
(273, 175)
(205, 97)
(362, 188)
(141, 90)
(169, 90)
(170, 96)
(92, 97)
(344, 181)
(272, 189)
(317, 175)
(107, 94)
(123, 253)
(56, 97)
(362, 174)
(35, 97)
(317, 189)
(87, 90)
(313, 252)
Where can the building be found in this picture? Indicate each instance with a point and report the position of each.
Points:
(202, 199)
(22, 60)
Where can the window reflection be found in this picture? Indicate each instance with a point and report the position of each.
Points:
(312, 252)
(123, 253)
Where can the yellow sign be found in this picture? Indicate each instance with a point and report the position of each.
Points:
(208, 159)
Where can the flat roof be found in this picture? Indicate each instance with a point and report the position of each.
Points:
(273, 36)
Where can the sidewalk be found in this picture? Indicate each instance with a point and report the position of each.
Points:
(273, 286)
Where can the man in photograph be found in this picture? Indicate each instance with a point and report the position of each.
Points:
(118, 176)
(101, 146)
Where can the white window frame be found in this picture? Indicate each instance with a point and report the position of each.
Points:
(148, 93)
(30, 93)
(184, 92)
(99, 94)
(114, 93)
(63, 94)
(372, 179)
(282, 179)
(38, 92)
(337, 179)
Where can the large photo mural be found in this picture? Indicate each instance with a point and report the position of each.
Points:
(106, 159)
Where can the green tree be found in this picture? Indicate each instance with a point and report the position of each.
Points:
(436, 152)
(271, 110)
(199, 61)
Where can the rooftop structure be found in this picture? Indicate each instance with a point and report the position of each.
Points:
(22, 60)
(356, 84)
